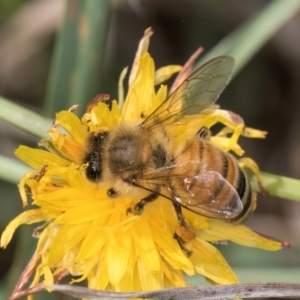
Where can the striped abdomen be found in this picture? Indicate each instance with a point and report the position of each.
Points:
(202, 158)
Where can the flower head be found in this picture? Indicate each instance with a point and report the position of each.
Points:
(91, 235)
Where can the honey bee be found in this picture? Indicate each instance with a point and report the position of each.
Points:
(136, 157)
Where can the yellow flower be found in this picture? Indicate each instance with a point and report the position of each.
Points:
(92, 236)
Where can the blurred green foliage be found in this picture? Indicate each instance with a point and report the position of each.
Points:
(8, 7)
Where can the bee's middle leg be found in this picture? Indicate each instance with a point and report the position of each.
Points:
(183, 233)
(139, 207)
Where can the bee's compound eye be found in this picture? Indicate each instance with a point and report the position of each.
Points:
(112, 193)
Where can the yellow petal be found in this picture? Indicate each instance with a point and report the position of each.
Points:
(22, 184)
(94, 242)
(145, 247)
(126, 284)
(135, 279)
(239, 234)
(171, 252)
(115, 115)
(118, 252)
(121, 87)
(141, 51)
(67, 146)
(165, 73)
(227, 144)
(87, 211)
(141, 92)
(157, 100)
(48, 276)
(209, 262)
(68, 236)
(173, 278)
(38, 274)
(150, 280)
(27, 217)
(37, 158)
(99, 116)
(90, 264)
(70, 122)
(98, 279)
(254, 133)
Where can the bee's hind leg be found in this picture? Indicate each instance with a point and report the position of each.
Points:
(183, 233)
(139, 207)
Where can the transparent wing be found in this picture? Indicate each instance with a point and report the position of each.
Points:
(208, 194)
(199, 91)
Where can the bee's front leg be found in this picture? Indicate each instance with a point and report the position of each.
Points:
(139, 207)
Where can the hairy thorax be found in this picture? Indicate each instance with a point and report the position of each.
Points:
(131, 150)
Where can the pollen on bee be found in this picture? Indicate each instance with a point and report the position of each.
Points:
(145, 153)
(187, 234)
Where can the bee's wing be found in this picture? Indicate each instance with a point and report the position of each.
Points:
(200, 90)
(207, 193)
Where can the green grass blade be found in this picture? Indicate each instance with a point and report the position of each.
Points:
(91, 46)
(60, 78)
(244, 42)
(78, 55)
(280, 186)
(12, 170)
(24, 118)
